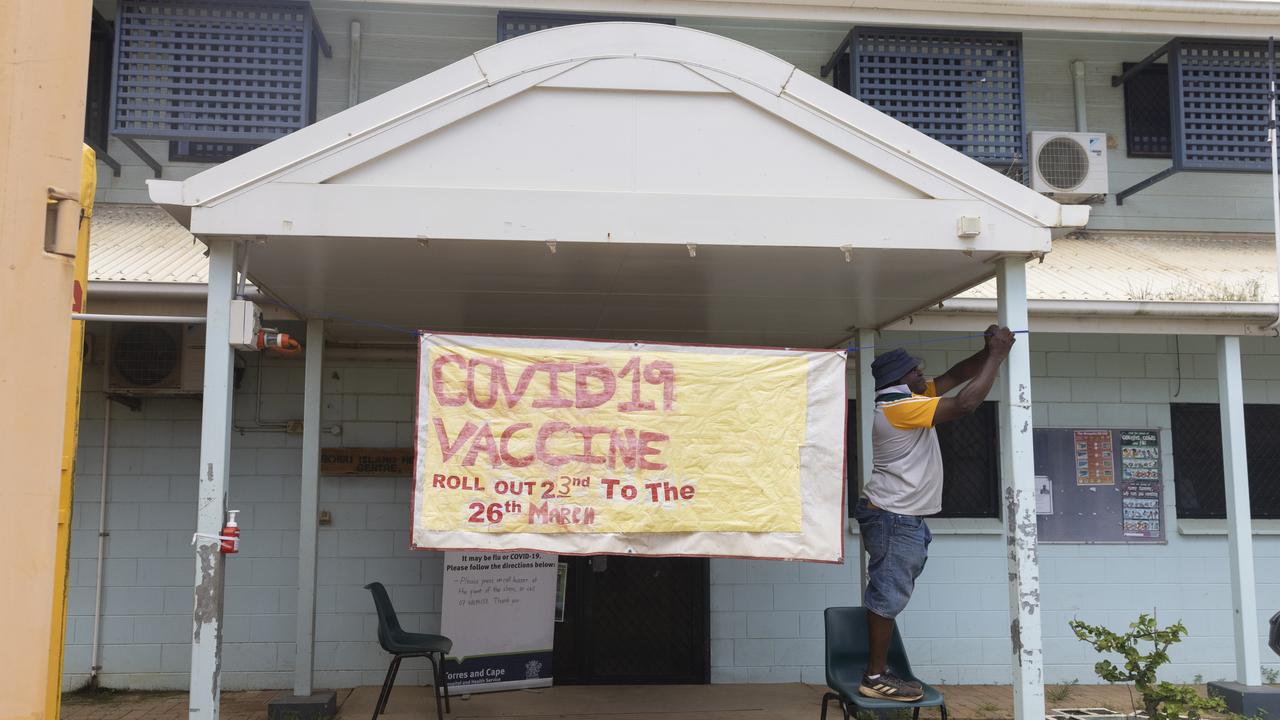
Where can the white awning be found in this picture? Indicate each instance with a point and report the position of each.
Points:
(616, 180)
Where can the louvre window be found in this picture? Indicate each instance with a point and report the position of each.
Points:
(1217, 101)
(1199, 483)
(98, 97)
(226, 72)
(1146, 113)
(515, 24)
(206, 152)
(963, 89)
(970, 463)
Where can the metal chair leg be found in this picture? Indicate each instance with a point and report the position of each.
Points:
(444, 685)
(383, 696)
(915, 714)
(435, 689)
(944, 712)
(826, 699)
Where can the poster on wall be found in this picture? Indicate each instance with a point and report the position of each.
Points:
(1098, 486)
(1095, 463)
(499, 611)
(579, 447)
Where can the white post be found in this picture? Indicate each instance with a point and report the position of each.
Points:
(1235, 469)
(1017, 471)
(866, 405)
(215, 459)
(304, 666)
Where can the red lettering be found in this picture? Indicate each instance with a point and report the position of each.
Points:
(540, 445)
(646, 449)
(504, 446)
(661, 372)
(635, 404)
(437, 380)
(593, 370)
(609, 485)
(588, 432)
(686, 492)
(483, 443)
(437, 481)
(623, 444)
(495, 367)
(555, 399)
(448, 450)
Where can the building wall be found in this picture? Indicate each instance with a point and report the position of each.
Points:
(766, 617)
(403, 42)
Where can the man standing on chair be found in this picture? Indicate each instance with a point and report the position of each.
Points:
(906, 485)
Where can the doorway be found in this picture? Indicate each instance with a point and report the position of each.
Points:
(634, 620)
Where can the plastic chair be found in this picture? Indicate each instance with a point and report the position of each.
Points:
(402, 644)
(847, 653)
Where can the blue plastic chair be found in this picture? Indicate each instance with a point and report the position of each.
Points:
(847, 653)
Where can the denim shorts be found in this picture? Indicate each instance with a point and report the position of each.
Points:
(897, 547)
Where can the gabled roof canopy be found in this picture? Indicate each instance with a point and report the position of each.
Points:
(616, 180)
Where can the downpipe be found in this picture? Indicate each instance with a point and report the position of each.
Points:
(95, 650)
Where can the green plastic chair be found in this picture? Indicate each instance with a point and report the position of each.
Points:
(847, 653)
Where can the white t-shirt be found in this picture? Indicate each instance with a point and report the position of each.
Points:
(906, 477)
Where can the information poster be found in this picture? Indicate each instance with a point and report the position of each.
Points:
(499, 610)
(574, 446)
(1099, 486)
(1140, 483)
(1095, 461)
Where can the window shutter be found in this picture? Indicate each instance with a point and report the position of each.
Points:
(963, 89)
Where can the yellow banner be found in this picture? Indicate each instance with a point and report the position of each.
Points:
(575, 437)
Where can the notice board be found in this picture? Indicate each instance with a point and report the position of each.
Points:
(1099, 485)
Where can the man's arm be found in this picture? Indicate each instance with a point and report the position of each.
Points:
(972, 395)
(966, 369)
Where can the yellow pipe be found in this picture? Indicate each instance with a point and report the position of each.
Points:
(70, 432)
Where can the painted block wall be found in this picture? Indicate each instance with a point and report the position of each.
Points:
(766, 616)
(401, 43)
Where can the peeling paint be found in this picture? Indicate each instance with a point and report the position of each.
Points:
(208, 602)
(1022, 394)
(1015, 634)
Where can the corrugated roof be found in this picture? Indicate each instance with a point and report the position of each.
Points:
(142, 243)
(1114, 265)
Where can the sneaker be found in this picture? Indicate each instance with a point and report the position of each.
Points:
(891, 687)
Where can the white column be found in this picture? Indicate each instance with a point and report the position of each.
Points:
(1017, 471)
(310, 504)
(1235, 469)
(215, 458)
(866, 405)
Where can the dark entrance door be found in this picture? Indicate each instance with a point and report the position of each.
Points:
(634, 620)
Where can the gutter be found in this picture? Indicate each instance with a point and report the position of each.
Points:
(1119, 308)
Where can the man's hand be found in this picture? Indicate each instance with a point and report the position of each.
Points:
(999, 340)
(988, 334)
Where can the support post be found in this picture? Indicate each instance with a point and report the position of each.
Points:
(1017, 471)
(1235, 470)
(306, 703)
(866, 407)
(309, 523)
(215, 459)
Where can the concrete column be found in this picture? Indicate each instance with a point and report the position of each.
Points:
(1017, 471)
(308, 526)
(1235, 469)
(866, 406)
(211, 505)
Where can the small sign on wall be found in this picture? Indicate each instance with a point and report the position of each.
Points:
(368, 462)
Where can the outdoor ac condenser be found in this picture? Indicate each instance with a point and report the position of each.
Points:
(1069, 166)
(155, 359)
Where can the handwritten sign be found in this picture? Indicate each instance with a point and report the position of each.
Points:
(580, 446)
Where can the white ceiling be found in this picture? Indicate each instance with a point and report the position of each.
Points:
(791, 297)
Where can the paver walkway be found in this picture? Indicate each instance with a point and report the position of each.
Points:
(792, 701)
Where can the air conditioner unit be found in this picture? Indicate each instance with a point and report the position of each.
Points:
(1069, 166)
(155, 359)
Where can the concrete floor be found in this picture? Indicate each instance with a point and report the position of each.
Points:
(792, 701)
